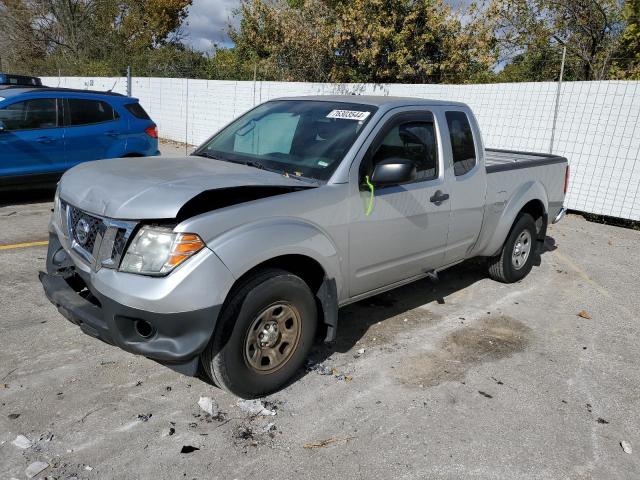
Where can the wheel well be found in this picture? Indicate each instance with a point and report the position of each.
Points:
(132, 155)
(535, 208)
(312, 273)
(302, 266)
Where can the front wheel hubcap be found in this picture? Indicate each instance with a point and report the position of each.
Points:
(521, 250)
(272, 337)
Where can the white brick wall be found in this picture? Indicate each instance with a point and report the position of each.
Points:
(597, 128)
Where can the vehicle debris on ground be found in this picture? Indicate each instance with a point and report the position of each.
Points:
(208, 405)
(326, 442)
(626, 447)
(22, 442)
(256, 407)
(35, 468)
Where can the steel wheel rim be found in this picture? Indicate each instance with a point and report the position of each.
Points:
(272, 338)
(521, 250)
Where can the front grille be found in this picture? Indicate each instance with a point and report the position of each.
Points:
(120, 242)
(100, 241)
(84, 228)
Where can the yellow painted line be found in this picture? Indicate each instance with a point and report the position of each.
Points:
(23, 245)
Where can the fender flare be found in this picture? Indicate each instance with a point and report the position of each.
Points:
(533, 190)
(246, 247)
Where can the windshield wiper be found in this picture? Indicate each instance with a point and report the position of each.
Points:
(300, 177)
(205, 155)
(259, 166)
(248, 163)
(251, 163)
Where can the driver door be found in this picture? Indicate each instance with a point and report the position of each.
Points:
(401, 231)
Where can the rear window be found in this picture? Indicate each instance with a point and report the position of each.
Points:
(464, 150)
(137, 111)
(87, 112)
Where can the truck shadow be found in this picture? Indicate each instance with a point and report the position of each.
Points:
(382, 310)
(395, 312)
(40, 194)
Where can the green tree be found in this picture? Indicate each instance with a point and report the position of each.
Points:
(627, 63)
(363, 40)
(534, 31)
(286, 40)
(412, 41)
(89, 36)
(229, 64)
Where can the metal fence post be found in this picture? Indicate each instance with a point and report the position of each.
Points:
(128, 81)
(186, 121)
(557, 106)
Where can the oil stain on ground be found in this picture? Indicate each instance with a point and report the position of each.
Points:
(489, 339)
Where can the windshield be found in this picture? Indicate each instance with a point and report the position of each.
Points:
(301, 138)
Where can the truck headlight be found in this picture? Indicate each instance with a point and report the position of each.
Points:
(57, 209)
(157, 251)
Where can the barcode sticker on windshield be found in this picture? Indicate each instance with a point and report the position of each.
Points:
(349, 115)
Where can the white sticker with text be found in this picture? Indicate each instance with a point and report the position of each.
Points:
(349, 115)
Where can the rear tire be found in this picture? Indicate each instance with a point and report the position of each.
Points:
(264, 334)
(517, 255)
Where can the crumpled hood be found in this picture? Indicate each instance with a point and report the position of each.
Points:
(156, 187)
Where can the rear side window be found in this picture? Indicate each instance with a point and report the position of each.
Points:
(137, 111)
(464, 151)
(30, 114)
(87, 112)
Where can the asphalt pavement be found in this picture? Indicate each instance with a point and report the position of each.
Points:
(459, 378)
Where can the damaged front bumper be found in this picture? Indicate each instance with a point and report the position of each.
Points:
(174, 338)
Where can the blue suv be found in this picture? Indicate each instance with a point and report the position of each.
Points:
(45, 131)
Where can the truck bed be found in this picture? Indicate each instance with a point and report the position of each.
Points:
(501, 160)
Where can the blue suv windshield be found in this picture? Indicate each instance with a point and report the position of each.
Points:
(302, 138)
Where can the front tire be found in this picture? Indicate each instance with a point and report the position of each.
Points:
(516, 257)
(264, 334)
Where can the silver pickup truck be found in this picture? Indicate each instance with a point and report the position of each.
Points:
(236, 258)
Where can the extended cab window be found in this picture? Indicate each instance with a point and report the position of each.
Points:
(413, 140)
(87, 112)
(464, 150)
(30, 114)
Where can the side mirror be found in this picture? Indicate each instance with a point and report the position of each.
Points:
(393, 171)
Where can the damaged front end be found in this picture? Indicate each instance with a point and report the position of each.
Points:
(211, 200)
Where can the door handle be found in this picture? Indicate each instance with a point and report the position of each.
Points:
(439, 197)
(45, 140)
(112, 133)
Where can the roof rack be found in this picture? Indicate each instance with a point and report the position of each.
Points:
(45, 88)
(19, 80)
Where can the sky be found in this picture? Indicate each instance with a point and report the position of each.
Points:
(207, 23)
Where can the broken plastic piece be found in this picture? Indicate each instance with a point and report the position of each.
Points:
(35, 468)
(208, 405)
(255, 407)
(22, 442)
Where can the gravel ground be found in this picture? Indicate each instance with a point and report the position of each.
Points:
(461, 378)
